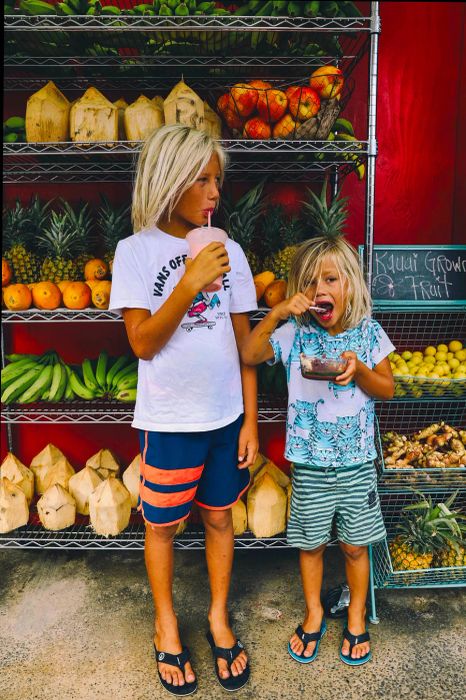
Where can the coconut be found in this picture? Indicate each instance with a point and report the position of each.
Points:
(56, 508)
(81, 485)
(110, 507)
(260, 461)
(158, 101)
(142, 117)
(212, 122)
(60, 472)
(48, 455)
(93, 118)
(47, 115)
(276, 474)
(121, 105)
(131, 480)
(105, 463)
(14, 511)
(240, 518)
(266, 507)
(19, 474)
(183, 106)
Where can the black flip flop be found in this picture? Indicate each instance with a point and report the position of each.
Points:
(354, 639)
(178, 660)
(232, 682)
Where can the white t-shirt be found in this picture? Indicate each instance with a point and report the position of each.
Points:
(194, 382)
(328, 424)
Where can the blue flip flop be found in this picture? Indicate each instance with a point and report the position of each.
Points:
(307, 637)
(353, 640)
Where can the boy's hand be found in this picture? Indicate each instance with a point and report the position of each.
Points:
(296, 305)
(209, 264)
(248, 445)
(351, 368)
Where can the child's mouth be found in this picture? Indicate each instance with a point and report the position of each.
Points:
(325, 310)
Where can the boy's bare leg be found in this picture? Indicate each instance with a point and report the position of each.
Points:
(357, 575)
(312, 567)
(158, 553)
(219, 543)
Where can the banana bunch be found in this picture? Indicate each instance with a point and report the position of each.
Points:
(342, 130)
(31, 378)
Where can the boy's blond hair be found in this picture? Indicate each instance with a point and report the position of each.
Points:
(307, 264)
(169, 163)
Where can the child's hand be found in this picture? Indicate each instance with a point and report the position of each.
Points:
(351, 368)
(248, 445)
(209, 264)
(296, 305)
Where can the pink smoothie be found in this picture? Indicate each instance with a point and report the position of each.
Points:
(198, 238)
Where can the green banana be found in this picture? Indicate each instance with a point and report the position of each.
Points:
(18, 356)
(344, 125)
(182, 10)
(206, 8)
(45, 395)
(101, 369)
(37, 7)
(165, 11)
(79, 388)
(110, 10)
(116, 367)
(129, 382)
(128, 395)
(88, 375)
(311, 9)
(20, 385)
(69, 393)
(16, 367)
(58, 383)
(17, 372)
(266, 9)
(172, 4)
(294, 9)
(143, 9)
(64, 9)
(131, 368)
(36, 389)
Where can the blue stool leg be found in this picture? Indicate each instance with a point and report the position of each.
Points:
(373, 616)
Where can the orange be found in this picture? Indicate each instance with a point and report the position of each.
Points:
(77, 295)
(260, 289)
(275, 292)
(17, 297)
(101, 294)
(7, 272)
(92, 283)
(46, 295)
(63, 285)
(95, 269)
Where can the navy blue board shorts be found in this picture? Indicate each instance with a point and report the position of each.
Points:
(179, 469)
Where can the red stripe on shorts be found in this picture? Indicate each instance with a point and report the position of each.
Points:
(165, 500)
(170, 476)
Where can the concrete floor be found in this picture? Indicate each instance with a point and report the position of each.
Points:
(78, 626)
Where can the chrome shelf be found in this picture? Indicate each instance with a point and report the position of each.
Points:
(58, 316)
(81, 536)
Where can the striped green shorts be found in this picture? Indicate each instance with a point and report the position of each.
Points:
(348, 494)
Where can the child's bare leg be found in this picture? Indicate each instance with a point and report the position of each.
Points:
(357, 575)
(312, 567)
(219, 543)
(158, 553)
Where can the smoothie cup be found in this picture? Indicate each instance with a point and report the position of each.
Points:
(198, 238)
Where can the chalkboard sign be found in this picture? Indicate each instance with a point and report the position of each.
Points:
(421, 274)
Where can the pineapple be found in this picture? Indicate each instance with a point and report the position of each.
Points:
(285, 233)
(64, 241)
(21, 225)
(83, 225)
(327, 220)
(241, 219)
(427, 531)
(451, 556)
(114, 224)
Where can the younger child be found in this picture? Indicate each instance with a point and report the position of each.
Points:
(196, 407)
(330, 427)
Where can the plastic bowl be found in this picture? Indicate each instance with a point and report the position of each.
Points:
(313, 367)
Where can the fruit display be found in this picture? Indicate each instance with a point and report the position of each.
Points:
(14, 130)
(439, 446)
(259, 110)
(55, 242)
(32, 378)
(429, 534)
(434, 371)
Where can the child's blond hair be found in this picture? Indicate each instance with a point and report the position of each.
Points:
(307, 264)
(169, 164)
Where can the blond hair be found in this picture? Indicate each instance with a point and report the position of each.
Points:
(170, 162)
(307, 264)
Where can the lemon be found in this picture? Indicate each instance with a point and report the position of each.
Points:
(396, 357)
(440, 356)
(450, 355)
(442, 347)
(453, 363)
(417, 353)
(429, 360)
(406, 355)
(417, 360)
(438, 370)
(459, 375)
(430, 350)
(460, 355)
(455, 346)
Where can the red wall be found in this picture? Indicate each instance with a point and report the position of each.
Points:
(420, 186)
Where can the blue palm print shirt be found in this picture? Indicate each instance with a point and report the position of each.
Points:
(327, 424)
